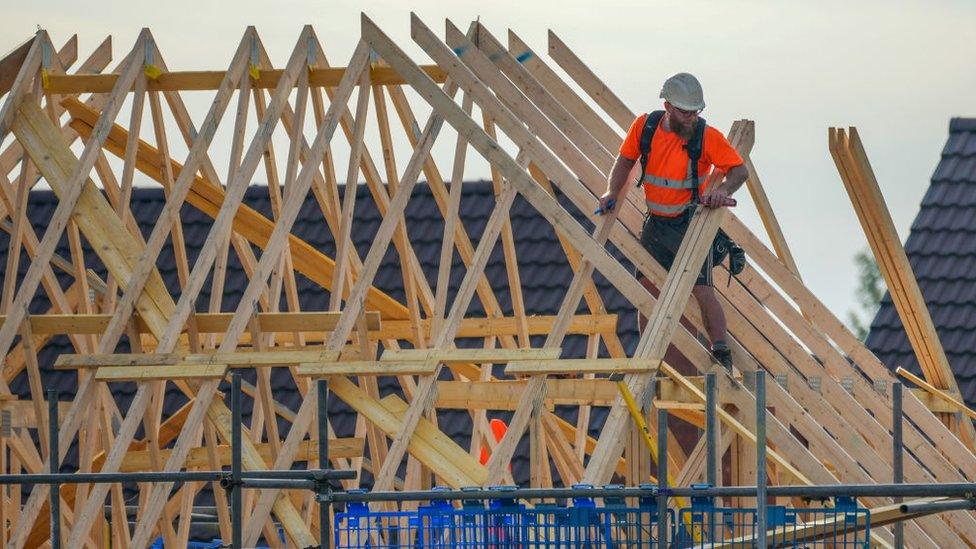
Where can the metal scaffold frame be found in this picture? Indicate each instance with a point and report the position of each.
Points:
(826, 420)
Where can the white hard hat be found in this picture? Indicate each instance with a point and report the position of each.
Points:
(683, 91)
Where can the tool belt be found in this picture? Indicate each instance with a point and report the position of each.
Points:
(723, 246)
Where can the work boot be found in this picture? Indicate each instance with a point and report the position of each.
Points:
(722, 354)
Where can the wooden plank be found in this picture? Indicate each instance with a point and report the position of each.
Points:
(242, 358)
(210, 80)
(311, 324)
(96, 360)
(284, 321)
(935, 404)
(504, 395)
(478, 356)
(391, 423)
(589, 81)
(366, 368)
(583, 365)
(449, 450)
(673, 405)
(161, 373)
(475, 327)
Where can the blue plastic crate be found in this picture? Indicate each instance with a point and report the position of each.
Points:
(502, 523)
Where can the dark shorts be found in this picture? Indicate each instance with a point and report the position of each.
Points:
(662, 237)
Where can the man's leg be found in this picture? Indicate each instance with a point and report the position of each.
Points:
(713, 317)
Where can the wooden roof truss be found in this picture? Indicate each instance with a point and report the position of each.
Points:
(828, 420)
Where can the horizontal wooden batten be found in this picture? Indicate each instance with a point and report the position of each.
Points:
(262, 358)
(210, 80)
(367, 368)
(583, 365)
(504, 395)
(161, 373)
(462, 356)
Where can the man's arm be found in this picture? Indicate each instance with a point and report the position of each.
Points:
(617, 180)
(734, 179)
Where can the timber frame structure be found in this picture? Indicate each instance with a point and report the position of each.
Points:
(829, 416)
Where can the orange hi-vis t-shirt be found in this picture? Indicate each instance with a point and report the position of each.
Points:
(667, 179)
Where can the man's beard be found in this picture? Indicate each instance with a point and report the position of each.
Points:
(680, 127)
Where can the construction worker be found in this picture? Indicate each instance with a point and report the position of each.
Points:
(665, 143)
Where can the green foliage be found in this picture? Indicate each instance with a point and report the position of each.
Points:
(870, 289)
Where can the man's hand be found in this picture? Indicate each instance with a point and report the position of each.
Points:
(607, 202)
(715, 198)
(720, 194)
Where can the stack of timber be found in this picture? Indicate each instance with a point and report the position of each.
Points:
(827, 420)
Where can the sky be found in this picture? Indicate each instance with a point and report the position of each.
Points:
(897, 70)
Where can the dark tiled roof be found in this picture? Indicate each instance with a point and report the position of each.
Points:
(942, 251)
(545, 274)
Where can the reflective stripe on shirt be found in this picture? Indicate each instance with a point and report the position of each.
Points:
(667, 209)
(688, 183)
